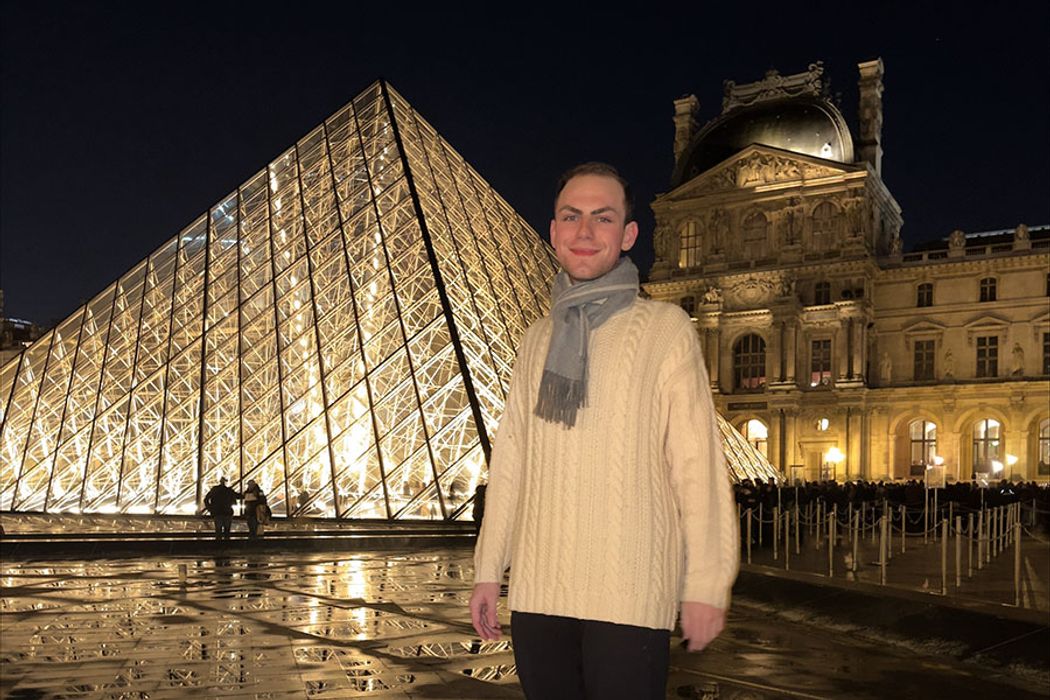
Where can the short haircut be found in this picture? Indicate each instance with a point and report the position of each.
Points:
(604, 170)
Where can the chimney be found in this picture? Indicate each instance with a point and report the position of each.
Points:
(871, 114)
(685, 124)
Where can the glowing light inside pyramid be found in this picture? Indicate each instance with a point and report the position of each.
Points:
(296, 335)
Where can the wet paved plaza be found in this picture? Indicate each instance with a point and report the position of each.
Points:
(389, 624)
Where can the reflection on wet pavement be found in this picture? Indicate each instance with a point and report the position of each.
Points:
(382, 624)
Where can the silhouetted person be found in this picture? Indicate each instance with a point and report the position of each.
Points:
(254, 500)
(219, 502)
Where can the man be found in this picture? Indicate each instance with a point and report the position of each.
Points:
(219, 502)
(608, 492)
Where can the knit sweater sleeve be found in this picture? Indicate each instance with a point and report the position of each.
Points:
(493, 549)
(693, 448)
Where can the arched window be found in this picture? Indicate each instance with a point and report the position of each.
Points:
(924, 294)
(749, 363)
(987, 445)
(757, 434)
(825, 220)
(689, 245)
(1044, 448)
(923, 435)
(988, 289)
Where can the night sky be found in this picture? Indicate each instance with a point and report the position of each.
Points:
(121, 125)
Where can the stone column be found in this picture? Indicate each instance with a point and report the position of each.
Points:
(773, 352)
(870, 143)
(714, 355)
(858, 349)
(839, 342)
(685, 123)
(791, 344)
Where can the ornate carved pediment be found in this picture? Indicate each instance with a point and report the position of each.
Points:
(756, 166)
(775, 86)
(751, 292)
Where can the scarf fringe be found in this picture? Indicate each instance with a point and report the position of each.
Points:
(559, 398)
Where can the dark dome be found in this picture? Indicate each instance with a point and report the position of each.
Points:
(803, 125)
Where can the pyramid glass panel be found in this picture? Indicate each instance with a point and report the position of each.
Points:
(341, 329)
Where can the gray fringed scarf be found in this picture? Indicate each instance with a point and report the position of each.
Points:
(577, 309)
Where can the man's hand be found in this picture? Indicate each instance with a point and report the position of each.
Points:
(483, 610)
(701, 623)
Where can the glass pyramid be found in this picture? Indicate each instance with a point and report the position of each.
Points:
(341, 329)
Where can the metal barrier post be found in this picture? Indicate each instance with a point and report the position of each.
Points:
(882, 550)
(969, 545)
(796, 528)
(958, 551)
(831, 544)
(980, 540)
(748, 535)
(787, 540)
(904, 530)
(944, 556)
(888, 514)
(925, 513)
(776, 533)
(849, 523)
(996, 529)
(1017, 564)
(856, 538)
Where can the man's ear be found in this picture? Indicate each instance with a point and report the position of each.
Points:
(630, 235)
(553, 222)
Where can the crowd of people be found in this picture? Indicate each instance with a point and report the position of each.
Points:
(964, 496)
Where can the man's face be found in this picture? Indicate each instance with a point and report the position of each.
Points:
(588, 230)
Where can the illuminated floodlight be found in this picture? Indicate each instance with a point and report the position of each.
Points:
(938, 460)
(1011, 460)
(997, 466)
(834, 455)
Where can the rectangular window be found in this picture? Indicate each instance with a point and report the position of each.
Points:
(1046, 353)
(689, 245)
(988, 289)
(924, 295)
(924, 355)
(988, 356)
(820, 363)
(822, 293)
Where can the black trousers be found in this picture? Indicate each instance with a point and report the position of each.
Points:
(563, 657)
(223, 525)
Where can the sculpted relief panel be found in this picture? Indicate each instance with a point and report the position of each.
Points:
(759, 169)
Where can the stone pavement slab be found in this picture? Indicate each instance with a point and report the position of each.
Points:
(391, 624)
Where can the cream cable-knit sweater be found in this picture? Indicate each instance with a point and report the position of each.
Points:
(629, 512)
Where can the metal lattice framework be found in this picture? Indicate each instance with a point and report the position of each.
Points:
(340, 329)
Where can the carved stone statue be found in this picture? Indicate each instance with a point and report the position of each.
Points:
(949, 364)
(957, 239)
(1021, 233)
(896, 246)
(787, 287)
(1017, 369)
(713, 295)
(885, 368)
